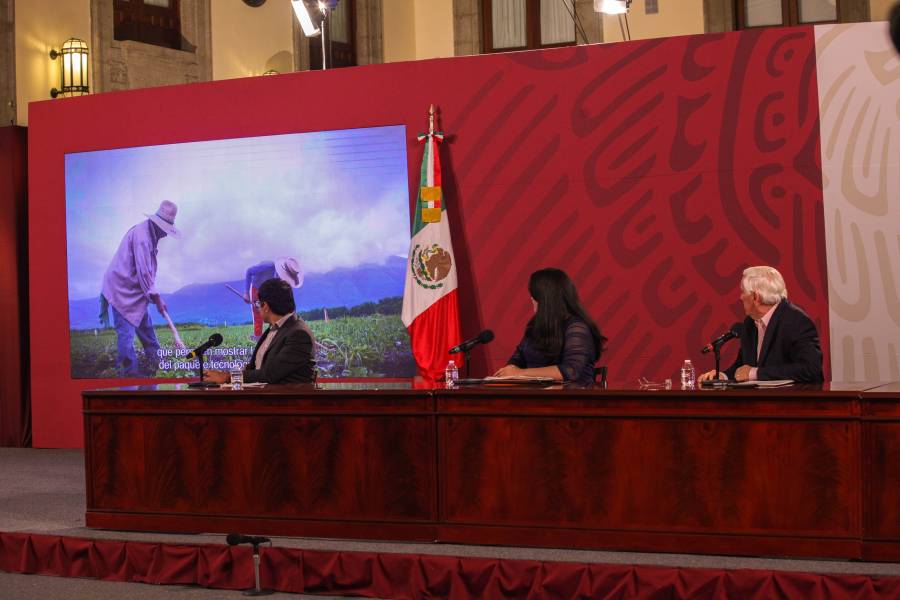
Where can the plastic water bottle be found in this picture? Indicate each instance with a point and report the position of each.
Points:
(688, 376)
(237, 379)
(451, 374)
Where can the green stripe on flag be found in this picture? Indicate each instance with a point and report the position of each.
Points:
(418, 224)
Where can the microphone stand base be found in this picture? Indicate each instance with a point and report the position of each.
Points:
(254, 592)
(716, 384)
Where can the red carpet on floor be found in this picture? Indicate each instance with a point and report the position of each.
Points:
(388, 575)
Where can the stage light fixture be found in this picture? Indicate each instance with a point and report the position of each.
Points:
(612, 7)
(301, 9)
(306, 22)
(73, 70)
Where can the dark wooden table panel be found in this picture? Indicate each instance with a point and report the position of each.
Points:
(800, 471)
(300, 461)
(881, 435)
(317, 467)
(707, 476)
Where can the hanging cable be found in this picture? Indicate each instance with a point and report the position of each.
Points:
(576, 21)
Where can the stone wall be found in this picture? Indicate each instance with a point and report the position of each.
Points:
(467, 35)
(7, 63)
(124, 65)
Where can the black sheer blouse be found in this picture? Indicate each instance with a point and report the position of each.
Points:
(575, 361)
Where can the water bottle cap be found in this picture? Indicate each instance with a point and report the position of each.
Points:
(451, 364)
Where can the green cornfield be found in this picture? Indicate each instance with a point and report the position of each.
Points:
(367, 346)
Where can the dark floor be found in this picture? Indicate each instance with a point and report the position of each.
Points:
(42, 491)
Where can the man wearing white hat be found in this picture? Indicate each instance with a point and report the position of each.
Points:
(129, 286)
(286, 268)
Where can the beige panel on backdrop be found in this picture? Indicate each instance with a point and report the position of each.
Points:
(858, 75)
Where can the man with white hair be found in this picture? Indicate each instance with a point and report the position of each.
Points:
(778, 340)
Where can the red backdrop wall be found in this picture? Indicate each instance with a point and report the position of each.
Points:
(652, 171)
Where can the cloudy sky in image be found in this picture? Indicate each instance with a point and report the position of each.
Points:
(331, 199)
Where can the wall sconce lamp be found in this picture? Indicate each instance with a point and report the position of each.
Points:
(73, 71)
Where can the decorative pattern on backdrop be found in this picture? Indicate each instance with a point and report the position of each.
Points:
(859, 83)
(654, 172)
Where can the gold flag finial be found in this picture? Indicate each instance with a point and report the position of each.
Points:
(431, 113)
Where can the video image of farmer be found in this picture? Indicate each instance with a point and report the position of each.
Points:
(169, 244)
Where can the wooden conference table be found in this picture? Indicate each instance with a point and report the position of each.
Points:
(809, 470)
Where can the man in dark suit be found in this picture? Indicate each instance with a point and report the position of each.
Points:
(778, 340)
(284, 352)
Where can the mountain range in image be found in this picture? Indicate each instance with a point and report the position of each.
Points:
(214, 304)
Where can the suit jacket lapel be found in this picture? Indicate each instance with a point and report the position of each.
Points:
(284, 327)
(771, 328)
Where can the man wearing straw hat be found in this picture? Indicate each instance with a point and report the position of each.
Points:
(129, 286)
(285, 268)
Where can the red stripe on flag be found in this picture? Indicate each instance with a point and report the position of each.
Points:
(433, 333)
(437, 162)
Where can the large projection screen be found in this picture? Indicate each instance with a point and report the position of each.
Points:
(326, 211)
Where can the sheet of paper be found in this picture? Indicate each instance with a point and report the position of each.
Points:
(518, 379)
(255, 384)
(762, 384)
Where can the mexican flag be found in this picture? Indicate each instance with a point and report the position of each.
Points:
(430, 305)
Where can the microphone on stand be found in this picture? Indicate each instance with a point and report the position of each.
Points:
(482, 338)
(734, 332)
(214, 340)
(233, 539)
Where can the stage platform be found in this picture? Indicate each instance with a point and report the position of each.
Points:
(42, 505)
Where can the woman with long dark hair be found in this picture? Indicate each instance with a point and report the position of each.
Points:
(561, 340)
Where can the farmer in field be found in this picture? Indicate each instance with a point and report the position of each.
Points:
(129, 286)
(285, 268)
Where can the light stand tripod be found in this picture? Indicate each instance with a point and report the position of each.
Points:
(324, 8)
